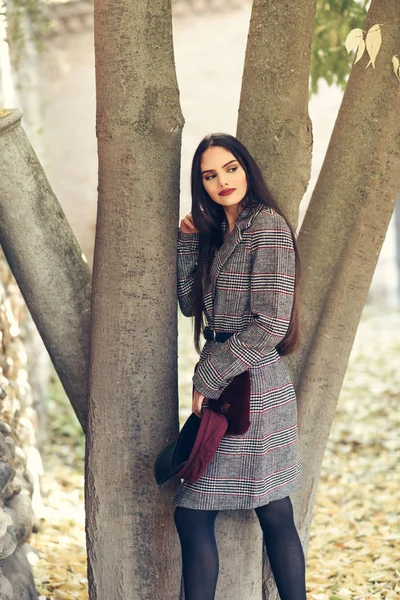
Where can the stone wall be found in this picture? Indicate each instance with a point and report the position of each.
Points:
(20, 462)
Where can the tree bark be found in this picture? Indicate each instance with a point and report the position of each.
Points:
(45, 260)
(340, 241)
(345, 223)
(273, 114)
(274, 124)
(133, 549)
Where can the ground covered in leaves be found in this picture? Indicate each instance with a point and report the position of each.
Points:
(355, 536)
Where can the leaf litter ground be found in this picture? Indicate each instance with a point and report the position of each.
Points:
(354, 547)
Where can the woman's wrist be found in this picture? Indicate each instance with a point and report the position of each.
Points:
(184, 234)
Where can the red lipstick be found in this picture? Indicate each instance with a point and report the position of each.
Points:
(226, 192)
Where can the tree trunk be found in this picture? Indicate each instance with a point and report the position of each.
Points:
(344, 226)
(133, 549)
(339, 242)
(273, 113)
(45, 260)
(275, 125)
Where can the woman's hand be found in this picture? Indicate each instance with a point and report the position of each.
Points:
(197, 402)
(187, 225)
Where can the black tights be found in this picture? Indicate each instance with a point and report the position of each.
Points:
(200, 555)
(199, 552)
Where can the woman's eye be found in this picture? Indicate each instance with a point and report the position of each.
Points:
(231, 169)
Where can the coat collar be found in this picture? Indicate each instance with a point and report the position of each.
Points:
(243, 222)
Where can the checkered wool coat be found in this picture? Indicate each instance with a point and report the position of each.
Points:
(249, 292)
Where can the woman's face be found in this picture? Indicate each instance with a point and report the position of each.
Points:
(224, 179)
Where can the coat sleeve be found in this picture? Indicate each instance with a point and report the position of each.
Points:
(271, 299)
(188, 249)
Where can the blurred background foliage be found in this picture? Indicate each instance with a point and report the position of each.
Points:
(26, 24)
(329, 59)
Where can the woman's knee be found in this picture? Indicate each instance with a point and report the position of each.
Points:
(276, 513)
(180, 517)
(189, 518)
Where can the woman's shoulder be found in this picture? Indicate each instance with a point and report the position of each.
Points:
(267, 218)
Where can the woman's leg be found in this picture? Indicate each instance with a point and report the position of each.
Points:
(284, 548)
(199, 552)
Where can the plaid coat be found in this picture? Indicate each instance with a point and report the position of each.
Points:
(249, 292)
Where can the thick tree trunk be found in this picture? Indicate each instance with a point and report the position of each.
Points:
(45, 259)
(273, 114)
(133, 549)
(340, 240)
(274, 124)
(346, 222)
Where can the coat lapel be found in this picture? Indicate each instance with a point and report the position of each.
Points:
(244, 221)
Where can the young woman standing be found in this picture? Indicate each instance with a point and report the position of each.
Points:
(238, 270)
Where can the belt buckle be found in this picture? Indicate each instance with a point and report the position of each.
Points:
(213, 334)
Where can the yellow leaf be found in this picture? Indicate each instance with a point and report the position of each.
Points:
(353, 39)
(59, 595)
(396, 64)
(373, 42)
(360, 50)
(381, 576)
(344, 592)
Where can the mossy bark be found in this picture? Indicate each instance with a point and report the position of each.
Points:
(46, 260)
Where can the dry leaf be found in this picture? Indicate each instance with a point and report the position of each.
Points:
(360, 50)
(59, 595)
(353, 39)
(373, 42)
(381, 576)
(396, 65)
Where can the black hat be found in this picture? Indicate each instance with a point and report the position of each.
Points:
(191, 453)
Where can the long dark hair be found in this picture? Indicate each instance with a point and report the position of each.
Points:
(208, 216)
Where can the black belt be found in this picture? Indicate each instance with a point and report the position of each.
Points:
(214, 336)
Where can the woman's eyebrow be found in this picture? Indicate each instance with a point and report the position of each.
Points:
(223, 166)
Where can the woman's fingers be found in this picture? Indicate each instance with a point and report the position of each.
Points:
(197, 403)
(189, 221)
(187, 225)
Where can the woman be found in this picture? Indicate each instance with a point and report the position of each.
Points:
(238, 268)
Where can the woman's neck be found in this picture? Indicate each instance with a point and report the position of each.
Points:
(232, 213)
